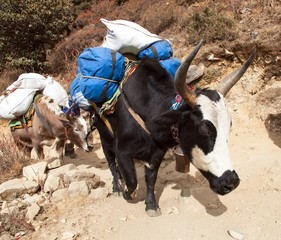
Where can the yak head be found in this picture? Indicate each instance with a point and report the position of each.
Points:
(76, 129)
(204, 125)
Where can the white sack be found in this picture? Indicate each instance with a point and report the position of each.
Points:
(56, 91)
(29, 81)
(16, 103)
(127, 37)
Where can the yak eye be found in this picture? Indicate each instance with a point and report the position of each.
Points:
(76, 129)
(205, 130)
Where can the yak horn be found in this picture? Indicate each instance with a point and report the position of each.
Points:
(180, 78)
(67, 113)
(229, 81)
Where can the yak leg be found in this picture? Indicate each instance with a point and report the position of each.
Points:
(60, 148)
(151, 171)
(152, 207)
(116, 185)
(69, 150)
(107, 142)
(52, 148)
(38, 152)
(110, 158)
(23, 142)
(128, 171)
(55, 151)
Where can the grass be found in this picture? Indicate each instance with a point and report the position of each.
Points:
(11, 164)
(211, 26)
(15, 224)
(11, 161)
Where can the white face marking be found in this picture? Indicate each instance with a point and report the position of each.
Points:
(51, 105)
(83, 122)
(82, 132)
(217, 161)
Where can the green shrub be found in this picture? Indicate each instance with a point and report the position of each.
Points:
(68, 50)
(160, 20)
(29, 29)
(210, 26)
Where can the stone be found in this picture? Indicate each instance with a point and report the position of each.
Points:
(212, 57)
(32, 211)
(62, 170)
(82, 174)
(236, 234)
(99, 193)
(10, 210)
(16, 187)
(68, 236)
(59, 195)
(78, 188)
(53, 183)
(4, 205)
(36, 198)
(19, 234)
(55, 164)
(35, 172)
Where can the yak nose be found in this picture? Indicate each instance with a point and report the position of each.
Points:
(228, 188)
(229, 181)
(225, 183)
(87, 149)
(85, 146)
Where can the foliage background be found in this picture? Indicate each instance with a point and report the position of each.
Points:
(30, 29)
(47, 36)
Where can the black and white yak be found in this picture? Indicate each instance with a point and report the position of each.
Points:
(145, 127)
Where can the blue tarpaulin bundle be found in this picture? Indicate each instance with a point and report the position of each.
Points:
(99, 72)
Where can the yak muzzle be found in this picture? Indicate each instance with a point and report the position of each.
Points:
(225, 183)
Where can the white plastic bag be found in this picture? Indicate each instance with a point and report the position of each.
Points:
(127, 37)
(16, 103)
(54, 90)
(29, 81)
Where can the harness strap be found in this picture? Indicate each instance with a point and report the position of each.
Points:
(23, 123)
(103, 118)
(134, 114)
(153, 49)
(41, 118)
(113, 56)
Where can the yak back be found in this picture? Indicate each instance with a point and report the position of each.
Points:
(149, 91)
(51, 113)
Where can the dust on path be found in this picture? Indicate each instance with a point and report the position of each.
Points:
(190, 210)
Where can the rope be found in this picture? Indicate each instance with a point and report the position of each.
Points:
(41, 118)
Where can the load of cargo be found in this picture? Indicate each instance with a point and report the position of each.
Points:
(101, 69)
(17, 98)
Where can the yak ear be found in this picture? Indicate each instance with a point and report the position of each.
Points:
(162, 126)
(66, 123)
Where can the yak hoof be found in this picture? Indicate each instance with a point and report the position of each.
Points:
(129, 196)
(117, 194)
(154, 213)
